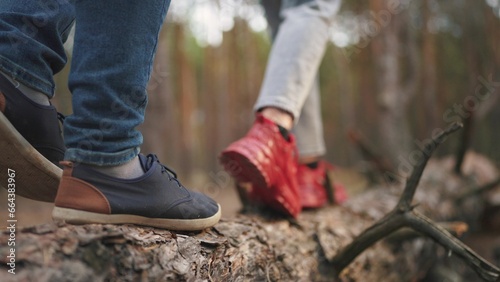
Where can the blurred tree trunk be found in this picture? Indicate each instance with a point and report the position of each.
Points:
(492, 67)
(208, 103)
(186, 87)
(492, 32)
(158, 123)
(235, 73)
(367, 108)
(394, 90)
(346, 117)
(253, 72)
(429, 73)
(222, 75)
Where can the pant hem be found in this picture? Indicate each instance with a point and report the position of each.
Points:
(26, 78)
(281, 105)
(99, 158)
(311, 152)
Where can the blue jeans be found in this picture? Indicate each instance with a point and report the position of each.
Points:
(115, 42)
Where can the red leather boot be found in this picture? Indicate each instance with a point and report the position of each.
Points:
(268, 161)
(313, 186)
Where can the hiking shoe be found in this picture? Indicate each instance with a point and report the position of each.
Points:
(316, 190)
(264, 158)
(30, 144)
(155, 199)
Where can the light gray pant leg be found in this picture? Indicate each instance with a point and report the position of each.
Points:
(309, 127)
(296, 54)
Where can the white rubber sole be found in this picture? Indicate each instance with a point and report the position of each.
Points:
(35, 177)
(73, 216)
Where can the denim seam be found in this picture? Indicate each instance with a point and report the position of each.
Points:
(21, 75)
(68, 27)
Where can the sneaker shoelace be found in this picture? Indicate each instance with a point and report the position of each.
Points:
(172, 175)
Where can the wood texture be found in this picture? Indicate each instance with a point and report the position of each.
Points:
(249, 247)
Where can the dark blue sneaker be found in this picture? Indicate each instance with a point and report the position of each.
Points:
(30, 144)
(155, 199)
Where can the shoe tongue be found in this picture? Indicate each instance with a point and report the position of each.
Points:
(146, 162)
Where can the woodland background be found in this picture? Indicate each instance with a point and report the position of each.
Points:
(397, 76)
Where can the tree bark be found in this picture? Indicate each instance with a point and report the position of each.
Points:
(248, 247)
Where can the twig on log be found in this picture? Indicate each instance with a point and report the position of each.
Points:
(403, 215)
(456, 228)
(421, 223)
(387, 225)
(257, 247)
(412, 182)
(480, 190)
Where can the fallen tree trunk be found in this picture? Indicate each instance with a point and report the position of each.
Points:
(247, 247)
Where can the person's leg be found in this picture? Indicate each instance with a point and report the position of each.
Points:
(295, 57)
(115, 42)
(31, 52)
(309, 128)
(315, 184)
(266, 155)
(32, 34)
(312, 172)
(104, 179)
(272, 11)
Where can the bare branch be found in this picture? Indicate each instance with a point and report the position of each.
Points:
(403, 215)
(485, 188)
(421, 223)
(387, 225)
(412, 183)
(456, 228)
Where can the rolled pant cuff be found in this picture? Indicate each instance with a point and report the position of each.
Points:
(99, 158)
(311, 152)
(25, 77)
(280, 105)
